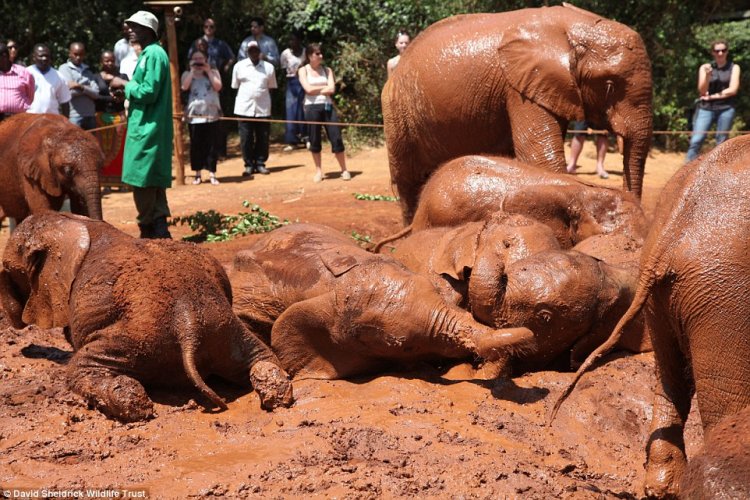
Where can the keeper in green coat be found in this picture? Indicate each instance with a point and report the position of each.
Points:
(147, 161)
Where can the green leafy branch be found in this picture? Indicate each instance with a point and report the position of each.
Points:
(361, 239)
(213, 226)
(375, 197)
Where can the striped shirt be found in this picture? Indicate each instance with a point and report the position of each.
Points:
(16, 89)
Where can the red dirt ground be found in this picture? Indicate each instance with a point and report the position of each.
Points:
(423, 433)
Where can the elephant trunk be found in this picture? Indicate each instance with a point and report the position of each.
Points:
(486, 287)
(90, 197)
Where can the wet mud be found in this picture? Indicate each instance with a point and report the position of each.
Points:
(427, 431)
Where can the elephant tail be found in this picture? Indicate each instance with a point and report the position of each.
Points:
(635, 307)
(393, 237)
(188, 361)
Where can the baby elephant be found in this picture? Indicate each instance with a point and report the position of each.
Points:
(330, 309)
(471, 188)
(136, 312)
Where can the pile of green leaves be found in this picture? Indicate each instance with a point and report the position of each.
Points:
(213, 226)
(375, 197)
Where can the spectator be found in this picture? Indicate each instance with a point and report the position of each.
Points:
(319, 85)
(16, 86)
(203, 111)
(220, 55)
(13, 52)
(127, 66)
(123, 48)
(718, 84)
(402, 41)
(110, 101)
(83, 88)
(255, 79)
(291, 59)
(52, 94)
(147, 164)
(268, 49)
(576, 146)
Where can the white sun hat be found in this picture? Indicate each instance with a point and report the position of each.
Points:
(145, 18)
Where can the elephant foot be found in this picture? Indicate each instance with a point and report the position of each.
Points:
(499, 344)
(664, 468)
(272, 385)
(120, 397)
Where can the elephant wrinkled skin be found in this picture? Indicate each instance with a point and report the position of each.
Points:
(136, 312)
(330, 309)
(692, 289)
(472, 188)
(43, 158)
(508, 84)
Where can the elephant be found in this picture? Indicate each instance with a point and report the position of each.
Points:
(692, 290)
(43, 158)
(330, 309)
(472, 188)
(136, 312)
(722, 468)
(508, 84)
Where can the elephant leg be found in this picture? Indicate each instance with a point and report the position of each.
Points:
(115, 394)
(537, 137)
(665, 450)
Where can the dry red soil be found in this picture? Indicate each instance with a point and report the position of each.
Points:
(425, 432)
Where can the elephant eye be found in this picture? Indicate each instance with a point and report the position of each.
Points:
(68, 170)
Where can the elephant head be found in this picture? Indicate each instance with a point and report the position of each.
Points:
(568, 299)
(57, 158)
(588, 68)
(40, 262)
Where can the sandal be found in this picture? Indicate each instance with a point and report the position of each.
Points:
(197, 180)
(214, 181)
(604, 175)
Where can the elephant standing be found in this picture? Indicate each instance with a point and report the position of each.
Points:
(692, 289)
(136, 312)
(330, 309)
(472, 188)
(43, 158)
(508, 84)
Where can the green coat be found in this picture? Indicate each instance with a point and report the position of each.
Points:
(147, 161)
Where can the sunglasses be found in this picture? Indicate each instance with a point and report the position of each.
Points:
(11, 47)
(720, 51)
(209, 26)
(318, 54)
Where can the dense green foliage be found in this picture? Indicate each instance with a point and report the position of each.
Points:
(212, 226)
(358, 36)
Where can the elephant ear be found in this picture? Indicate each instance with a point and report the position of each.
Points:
(456, 252)
(337, 262)
(543, 72)
(34, 161)
(54, 252)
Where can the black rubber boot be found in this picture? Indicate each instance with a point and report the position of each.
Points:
(161, 229)
(147, 230)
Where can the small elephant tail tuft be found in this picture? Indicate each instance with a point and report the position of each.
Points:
(188, 361)
(393, 237)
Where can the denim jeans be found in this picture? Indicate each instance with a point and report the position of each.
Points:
(295, 97)
(702, 121)
(85, 122)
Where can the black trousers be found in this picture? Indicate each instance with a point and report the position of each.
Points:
(318, 113)
(254, 142)
(205, 145)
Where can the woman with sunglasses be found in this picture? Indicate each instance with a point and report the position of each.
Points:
(718, 84)
(13, 52)
(319, 85)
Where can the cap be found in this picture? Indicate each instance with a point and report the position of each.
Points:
(145, 18)
(252, 44)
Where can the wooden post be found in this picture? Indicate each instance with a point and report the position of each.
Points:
(171, 10)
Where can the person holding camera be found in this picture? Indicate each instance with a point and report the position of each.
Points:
(718, 84)
(202, 113)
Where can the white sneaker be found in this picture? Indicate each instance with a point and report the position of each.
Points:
(288, 148)
(345, 175)
(318, 177)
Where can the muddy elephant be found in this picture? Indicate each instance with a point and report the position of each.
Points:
(330, 309)
(466, 263)
(722, 468)
(508, 84)
(692, 289)
(137, 312)
(44, 158)
(472, 188)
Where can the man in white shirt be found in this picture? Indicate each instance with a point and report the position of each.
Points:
(255, 79)
(51, 94)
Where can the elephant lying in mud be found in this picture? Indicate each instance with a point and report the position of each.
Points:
(472, 188)
(692, 289)
(510, 272)
(330, 309)
(508, 84)
(43, 158)
(136, 312)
